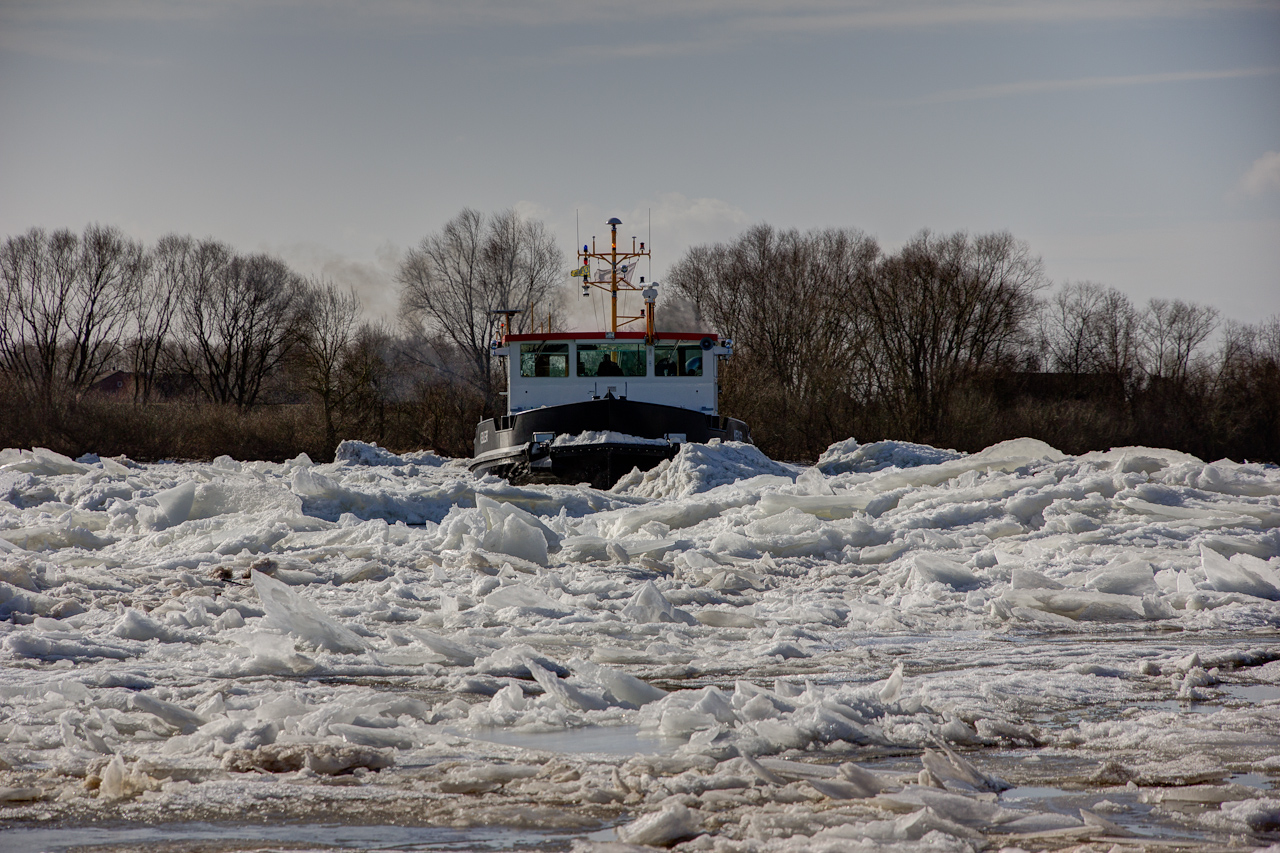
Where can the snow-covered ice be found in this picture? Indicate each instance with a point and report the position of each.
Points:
(900, 648)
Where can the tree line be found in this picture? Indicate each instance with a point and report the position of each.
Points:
(953, 339)
(959, 340)
(235, 353)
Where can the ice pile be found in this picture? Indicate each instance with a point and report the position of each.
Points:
(701, 467)
(869, 651)
(848, 456)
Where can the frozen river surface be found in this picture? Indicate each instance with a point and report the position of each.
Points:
(903, 648)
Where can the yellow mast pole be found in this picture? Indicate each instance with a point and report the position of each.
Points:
(613, 273)
(615, 282)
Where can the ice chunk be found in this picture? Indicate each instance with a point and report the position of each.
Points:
(360, 453)
(1027, 579)
(134, 625)
(1259, 815)
(516, 537)
(699, 468)
(1079, 605)
(453, 653)
(119, 782)
(847, 456)
(650, 605)
(1132, 578)
(566, 694)
(931, 568)
(1097, 821)
(864, 779)
(525, 597)
(54, 537)
(293, 613)
(1007, 456)
(24, 644)
(956, 773)
(892, 686)
(845, 505)
(20, 795)
(320, 758)
(175, 715)
(841, 789)
(762, 772)
(15, 573)
(1227, 576)
(43, 462)
(514, 531)
(324, 497)
(173, 506)
(513, 662)
(625, 689)
(662, 828)
(603, 437)
(379, 738)
(726, 619)
(16, 600)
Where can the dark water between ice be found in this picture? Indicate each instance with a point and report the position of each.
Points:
(224, 838)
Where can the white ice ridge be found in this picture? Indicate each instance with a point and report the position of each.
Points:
(184, 637)
(603, 437)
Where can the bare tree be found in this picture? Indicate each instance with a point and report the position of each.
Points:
(110, 270)
(1068, 325)
(942, 307)
(453, 281)
(328, 327)
(791, 303)
(155, 309)
(368, 373)
(1171, 334)
(1116, 334)
(34, 305)
(239, 316)
(1089, 328)
(66, 305)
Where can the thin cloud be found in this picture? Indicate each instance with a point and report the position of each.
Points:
(875, 14)
(760, 16)
(130, 11)
(1035, 87)
(1263, 176)
(688, 28)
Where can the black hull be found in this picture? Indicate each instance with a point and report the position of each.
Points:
(505, 445)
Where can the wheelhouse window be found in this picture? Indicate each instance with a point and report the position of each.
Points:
(611, 360)
(677, 360)
(544, 359)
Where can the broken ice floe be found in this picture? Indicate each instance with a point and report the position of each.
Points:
(172, 631)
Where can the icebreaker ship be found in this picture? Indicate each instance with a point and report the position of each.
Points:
(590, 406)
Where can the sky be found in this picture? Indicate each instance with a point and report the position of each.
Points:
(1135, 143)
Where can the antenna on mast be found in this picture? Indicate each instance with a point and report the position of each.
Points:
(617, 277)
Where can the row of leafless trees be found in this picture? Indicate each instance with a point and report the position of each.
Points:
(182, 315)
(198, 327)
(950, 340)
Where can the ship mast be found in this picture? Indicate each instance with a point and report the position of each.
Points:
(617, 277)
